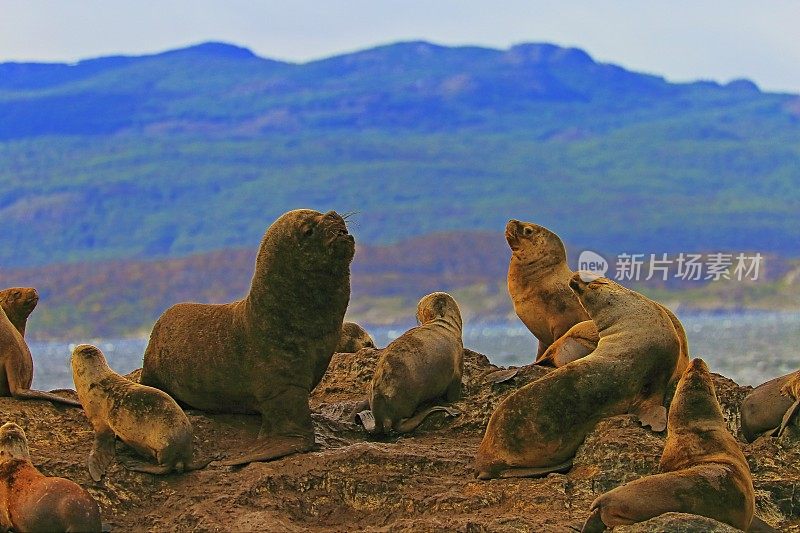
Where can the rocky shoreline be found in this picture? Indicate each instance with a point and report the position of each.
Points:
(419, 482)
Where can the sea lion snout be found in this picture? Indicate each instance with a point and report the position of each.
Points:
(512, 229)
(11, 433)
(697, 365)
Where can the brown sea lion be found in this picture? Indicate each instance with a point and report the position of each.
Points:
(31, 501)
(425, 363)
(353, 338)
(266, 352)
(537, 429)
(538, 283)
(771, 406)
(16, 367)
(146, 419)
(582, 339)
(19, 303)
(704, 470)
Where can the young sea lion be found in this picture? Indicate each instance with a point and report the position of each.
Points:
(144, 418)
(16, 367)
(538, 283)
(771, 406)
(353, 338)
(264, 353)
(705, 471)
(31, 501)
(537, 429)
(19, 303)
(423, 364)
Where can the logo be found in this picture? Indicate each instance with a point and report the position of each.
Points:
(591, 262)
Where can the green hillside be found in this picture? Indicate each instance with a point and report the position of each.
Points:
(200, 149)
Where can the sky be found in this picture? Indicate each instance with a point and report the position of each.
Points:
(681, 40)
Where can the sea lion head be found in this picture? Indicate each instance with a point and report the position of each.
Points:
(438, 305)
(19, 300)
(695, 397)
(88, 361)
(13, 443)
(353, 338)
(603, 299)
(531, 243)
(305, 240)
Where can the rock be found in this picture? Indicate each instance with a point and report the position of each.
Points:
(678, 523)
(423, 481)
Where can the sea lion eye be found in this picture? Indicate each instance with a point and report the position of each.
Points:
(309, 231)
(528, 231)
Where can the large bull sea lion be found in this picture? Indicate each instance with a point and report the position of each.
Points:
(266, 352)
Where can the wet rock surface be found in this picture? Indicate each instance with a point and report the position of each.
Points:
(418, 482)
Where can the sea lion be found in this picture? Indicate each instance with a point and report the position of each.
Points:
(146, 419)
(704, 470)
(537, 429)
(31, 501)
(19, 303)
(582, 339)
(353, 338)
(266, 352)
(16, 367)
(771, 406)
(538, 283)
(423, 364)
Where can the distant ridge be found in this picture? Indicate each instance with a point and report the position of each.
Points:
(198, 149)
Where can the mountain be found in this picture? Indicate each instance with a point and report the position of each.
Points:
(199, 149)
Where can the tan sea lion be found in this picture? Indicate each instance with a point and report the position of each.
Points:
(538, 283)
(16, 367)
(582, 339)
(423, 364)
(31, 501)
(146, 419)
(704, 470)
(353, 338)
(264, 353)
(771, 406)
(19, 303)
(537, 429)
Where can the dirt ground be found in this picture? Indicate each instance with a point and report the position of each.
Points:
(420, 482)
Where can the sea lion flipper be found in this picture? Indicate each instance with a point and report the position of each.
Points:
(31, 394)
(535, 472)
(156, 470)
(651, 414)
(410, 424)
(366, 419)
(102, 453)
(759, 526)
(787, 418)
(501, 376)
(594, 523)
(271, 448)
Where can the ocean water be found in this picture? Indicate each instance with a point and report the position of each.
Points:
(749, 347)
